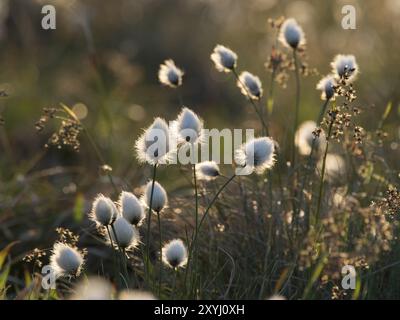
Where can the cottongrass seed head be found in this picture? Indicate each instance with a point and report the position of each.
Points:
(188, 127)
(207, 170)
(250, 85)
(131, 208)
(169, 74)
(154, 146)
(257, 154)
(66, 261)
(104, 211)
(345, 67)
(224, 58)
(126, 235)
(291, 35)
(327, 86)
(174, 254)
(305, 136)
(159, 200)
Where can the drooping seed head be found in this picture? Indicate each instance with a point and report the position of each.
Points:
(188, 127)
(327, 86)
(155, 145)
(159, 200)
(224, 58)
(291, 34)
(131, 208)
(66, 260)
(305, 136)
(126, 235)
(257, 154)
(169, 74)
(345, 67)
(174, 254)
(207, 170)
(104, 211)
(250, 85)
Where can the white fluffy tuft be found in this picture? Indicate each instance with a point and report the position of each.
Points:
(224, 58)
(174, 254)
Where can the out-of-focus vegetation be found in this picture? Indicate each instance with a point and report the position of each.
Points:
(102, 62)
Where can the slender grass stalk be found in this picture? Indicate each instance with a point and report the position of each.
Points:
(321, 184)
(115, 257)
(174, 284)
(147, 258)
(295, 124)
(309, 166)
(123, 260)
(160, 256)
(297, 106)
(264, 125)
(201, 222)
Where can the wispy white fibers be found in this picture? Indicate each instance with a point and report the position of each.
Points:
(66, 260)
(257, 154)
(174, 254)
(327, 86)
(345, 67)
(250, 85)
(305, 137)
(224, 58)
(169, 74)
(131, 208)
(92, 288)
(155, 145)
(335, 167)
(291, 34)
(188, 127)
(135, 295)
(104, 211)
(160, 198)
(126, 235)
(207, 170)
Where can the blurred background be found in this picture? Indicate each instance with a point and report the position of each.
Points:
(102, 61)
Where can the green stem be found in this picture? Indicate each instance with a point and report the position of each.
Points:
(160, 256)
(321, 185)
(296, 115)
(201, 222)
(310, 157)
(147, 259)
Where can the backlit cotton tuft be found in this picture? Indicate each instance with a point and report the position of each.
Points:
(66, 260)
(131, 208)
(154, 146)
(188, 127)
(291, 34)
(327, 86)
(250, 85)
(257, 154)
(103, 211)
(126, 235)
(159, 200)
(174, 254)
(224, 58)
(207, 170)
(345, 67)
(169, 74)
